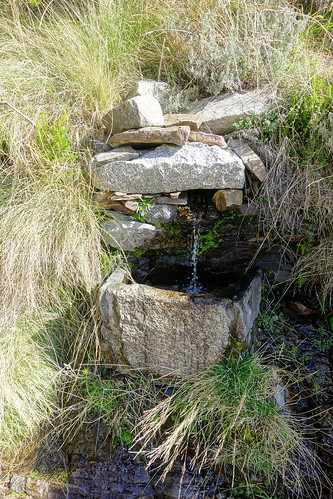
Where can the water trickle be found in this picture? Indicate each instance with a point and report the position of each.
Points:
(195, 287)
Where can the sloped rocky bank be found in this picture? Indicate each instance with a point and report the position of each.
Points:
(177, 192)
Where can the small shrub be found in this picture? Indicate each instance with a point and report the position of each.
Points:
(211, 239)
(52, 140)
(143, 208)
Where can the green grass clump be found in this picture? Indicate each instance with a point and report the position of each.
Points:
(99, 395)
(227, 417)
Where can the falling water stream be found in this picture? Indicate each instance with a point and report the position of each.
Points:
(195, 287)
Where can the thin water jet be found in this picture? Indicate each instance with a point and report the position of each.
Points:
(195, 287)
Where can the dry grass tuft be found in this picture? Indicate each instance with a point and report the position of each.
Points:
(226, 417)
(28, 379)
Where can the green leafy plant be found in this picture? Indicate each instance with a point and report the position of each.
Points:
(324, 339)
(40, 473)
(139, 253)
(212, 238)
(143, 208)
(253, 490)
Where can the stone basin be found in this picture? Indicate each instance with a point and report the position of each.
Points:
(171, 332)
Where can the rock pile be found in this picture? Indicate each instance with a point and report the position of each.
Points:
(145, 180)
(154, 159)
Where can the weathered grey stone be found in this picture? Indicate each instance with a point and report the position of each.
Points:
(208, 138)
(125, 153)
(159, 89)
(194, 121)
(161, 213)
(223, 112)
(119, 216)
(247, 308)
(170, 168)
(137, 112)
(165, 331)
(120, 275)
(252, 162)
(124, 232)
(168, 332)
(227, 199)
(129, 235)
(17, 484)
(177, 135)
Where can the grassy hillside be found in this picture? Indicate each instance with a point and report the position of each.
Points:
(62, 66)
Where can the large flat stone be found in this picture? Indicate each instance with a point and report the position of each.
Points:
(177, 135)
(124, 153)
(137, 112)
(168, 332)
(170, 168)
(221, 113)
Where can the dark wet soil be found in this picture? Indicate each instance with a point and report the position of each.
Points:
(299, 339)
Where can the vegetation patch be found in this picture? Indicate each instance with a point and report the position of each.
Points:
(227, 418)
(102, 395)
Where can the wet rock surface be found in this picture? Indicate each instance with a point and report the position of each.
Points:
(299, 336)
(120, 477)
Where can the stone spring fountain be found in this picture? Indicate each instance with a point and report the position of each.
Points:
(152, 320)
